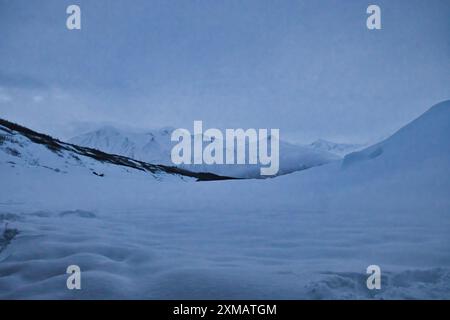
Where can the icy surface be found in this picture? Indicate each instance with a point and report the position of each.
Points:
(310, 234)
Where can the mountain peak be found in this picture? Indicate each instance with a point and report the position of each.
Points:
(424, 138)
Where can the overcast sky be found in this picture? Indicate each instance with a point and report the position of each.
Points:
(310, 68)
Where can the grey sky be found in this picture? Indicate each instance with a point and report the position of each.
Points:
(310, 68)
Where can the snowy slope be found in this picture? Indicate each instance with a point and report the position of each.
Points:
(306, 235)
(426, 138)
(410, 168)
(339, 149)
(151, 146)
(22, 147)
(155, 147)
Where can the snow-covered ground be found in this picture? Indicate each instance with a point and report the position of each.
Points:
(308, 234)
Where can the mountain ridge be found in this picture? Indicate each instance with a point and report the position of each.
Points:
(56, 146)
(155, 146)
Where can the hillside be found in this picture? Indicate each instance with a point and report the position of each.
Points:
(21, 146)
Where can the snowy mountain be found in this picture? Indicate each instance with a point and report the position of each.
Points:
(151, 146)
(339, 149)
(22, 147)
(424, 139)
(410, 169)
(310, 234)
(155, 146)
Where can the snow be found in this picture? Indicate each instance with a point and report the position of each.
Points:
(155, 146)
(19, 153)
(151, 146)
(339, 149)
(309, 234)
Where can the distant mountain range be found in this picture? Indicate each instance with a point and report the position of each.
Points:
(155, 146)
(23, 147)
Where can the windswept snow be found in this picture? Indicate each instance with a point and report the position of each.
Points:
(309, 234)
